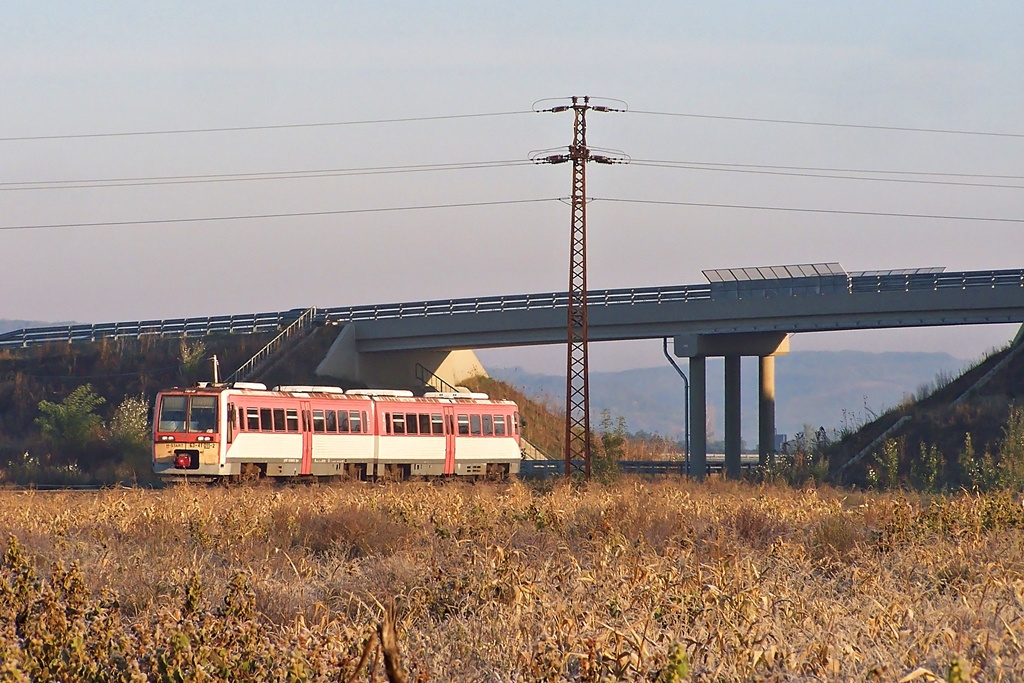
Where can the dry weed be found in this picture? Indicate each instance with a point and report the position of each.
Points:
(635, 581)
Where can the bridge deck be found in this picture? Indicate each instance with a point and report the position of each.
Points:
(868, 301)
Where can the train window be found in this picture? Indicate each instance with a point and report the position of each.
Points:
(474, 425)
(319, 424)
(343, 421)
(398, 423)
(241, 418)
(203, 415)
(387, 423)
(424, 423)
(265, 422)
(278, 420)
(172, 414)
(292, 420)
(354, 423)
(436, 425)
(253, 419)
(411, 424)
(499, 425)
(515, 422)
(332, 421)
(488, 429)
(463, 424)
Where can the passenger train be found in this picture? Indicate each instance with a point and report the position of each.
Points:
(245, 430)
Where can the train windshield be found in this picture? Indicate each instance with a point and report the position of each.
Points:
(172, 414)
(203, 415)
(180, 414)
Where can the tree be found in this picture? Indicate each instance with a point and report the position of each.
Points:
(71, 424)
(129, 425)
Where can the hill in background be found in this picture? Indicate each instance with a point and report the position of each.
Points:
(834, 389)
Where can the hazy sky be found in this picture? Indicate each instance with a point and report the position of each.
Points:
(110, 67)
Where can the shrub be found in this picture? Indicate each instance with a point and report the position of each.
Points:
(71, 424)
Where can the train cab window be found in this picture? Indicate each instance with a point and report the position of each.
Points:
(488, 425)
(356, 427)
(292, 420)
(515, 422)
(499, 425)
(253, 419)
(332, 421)
(425, 423)
(343, 421)
(463, 424)
(411, 424)
(398, 423)
(266, 424)
(172, 414)
(474, 425)
(278, 419)
(319, 421)
(202, 416)
(436, 424)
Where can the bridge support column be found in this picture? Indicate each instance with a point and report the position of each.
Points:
(733, 436)
(766, 411)
(698, 418)
(733, 347)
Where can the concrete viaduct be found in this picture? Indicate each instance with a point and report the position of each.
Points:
(740, 312)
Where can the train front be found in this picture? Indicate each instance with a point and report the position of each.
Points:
(187, 433)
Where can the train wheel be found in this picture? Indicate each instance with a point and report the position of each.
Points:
(250, 472)
(396, 472)
(497, 472)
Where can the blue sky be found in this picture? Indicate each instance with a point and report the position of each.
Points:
(69, 68)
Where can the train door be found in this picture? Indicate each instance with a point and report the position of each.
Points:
(449, 439)
(307, 438)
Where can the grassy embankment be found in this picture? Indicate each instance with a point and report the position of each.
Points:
(634, 581)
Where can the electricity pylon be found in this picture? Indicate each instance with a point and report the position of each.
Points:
(577, 383)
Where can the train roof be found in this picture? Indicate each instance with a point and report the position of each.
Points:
(334, 392)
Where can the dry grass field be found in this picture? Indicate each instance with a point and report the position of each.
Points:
(636, 581)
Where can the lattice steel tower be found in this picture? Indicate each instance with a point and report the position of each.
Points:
(577, 389)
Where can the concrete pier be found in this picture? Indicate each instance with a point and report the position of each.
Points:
(766, 410)
(697, 348)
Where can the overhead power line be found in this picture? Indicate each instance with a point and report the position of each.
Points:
(827, 124)
(281, 126)
(837, 174)
(243, 177)
(832, 169)
(296, 214)
(796, 209)
(924, 177)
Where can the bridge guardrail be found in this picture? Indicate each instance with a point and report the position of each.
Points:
(937, 281)
(273, 321)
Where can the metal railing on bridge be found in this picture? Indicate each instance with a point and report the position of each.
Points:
(250, 323)
(269, 322)
(936, 281)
